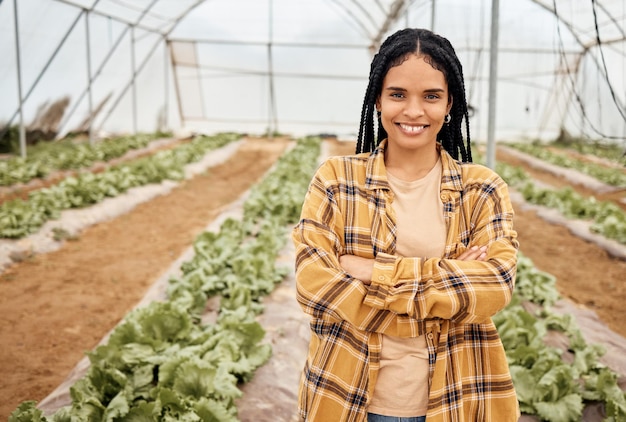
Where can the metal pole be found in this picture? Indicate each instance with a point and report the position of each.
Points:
(134, 78)
(89, 91)
(273, 120)
(166, 92)
(406, 18)
(19, 82)
(199, 75)
(493, 76)
(432, 16)
(176, 79)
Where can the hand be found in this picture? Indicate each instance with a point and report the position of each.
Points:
(358, 267)
(474, 253)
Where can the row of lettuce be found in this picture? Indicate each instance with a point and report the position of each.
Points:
(20, 217)
(67, 154)
(611, 175)
(163, 362)
(606, 217)
(554, 383)
(602, 148)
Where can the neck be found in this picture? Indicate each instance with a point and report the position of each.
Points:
(410, 164)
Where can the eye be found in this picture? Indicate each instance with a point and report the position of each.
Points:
(432, 97)
(397, 95)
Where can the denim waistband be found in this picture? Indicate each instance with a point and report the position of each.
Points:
(373, 417)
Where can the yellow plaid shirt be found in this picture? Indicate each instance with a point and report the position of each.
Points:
(348, 210)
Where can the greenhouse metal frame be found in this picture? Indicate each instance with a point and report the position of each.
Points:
(147, 31)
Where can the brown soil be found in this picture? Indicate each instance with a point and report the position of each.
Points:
(54, 307)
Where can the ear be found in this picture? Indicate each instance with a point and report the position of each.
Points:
(378, 104)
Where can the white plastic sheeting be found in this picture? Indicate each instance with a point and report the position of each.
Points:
(299, 66)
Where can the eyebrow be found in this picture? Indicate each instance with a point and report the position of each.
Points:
(395, 88)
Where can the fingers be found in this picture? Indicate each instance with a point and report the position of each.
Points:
(474, 253)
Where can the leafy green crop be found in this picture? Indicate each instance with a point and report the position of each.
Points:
(547, 385)
(19, 218)
(599, 148)
(608, 175)
(608, 219)
(47, 157)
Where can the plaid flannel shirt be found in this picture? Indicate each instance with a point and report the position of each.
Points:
(348, 210)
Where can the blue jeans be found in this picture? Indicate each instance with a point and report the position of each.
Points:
(373, 417)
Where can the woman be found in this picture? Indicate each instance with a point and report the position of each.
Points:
(403, 255)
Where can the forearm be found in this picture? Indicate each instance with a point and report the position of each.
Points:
(358, 267)
(461, 290)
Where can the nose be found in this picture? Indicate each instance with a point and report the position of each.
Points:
(413, 108)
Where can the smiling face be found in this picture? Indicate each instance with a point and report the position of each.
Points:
(413, 102)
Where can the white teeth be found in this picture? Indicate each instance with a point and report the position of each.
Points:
(409, 128)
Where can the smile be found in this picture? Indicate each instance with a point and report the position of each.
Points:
(411, 128)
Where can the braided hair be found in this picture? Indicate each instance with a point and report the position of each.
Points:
(440, 54)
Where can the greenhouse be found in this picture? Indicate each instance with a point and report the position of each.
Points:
(159, 162)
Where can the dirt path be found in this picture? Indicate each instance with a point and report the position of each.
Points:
(585, 273)
(56, 306)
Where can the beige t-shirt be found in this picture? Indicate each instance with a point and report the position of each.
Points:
(402, 385)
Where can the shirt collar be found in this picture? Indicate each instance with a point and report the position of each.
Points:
(376, 174)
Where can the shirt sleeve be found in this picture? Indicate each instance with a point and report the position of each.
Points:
(324, 290)
(462, 291)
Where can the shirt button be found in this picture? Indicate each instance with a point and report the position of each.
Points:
(430, 336)
(381, 278)
(444, 197)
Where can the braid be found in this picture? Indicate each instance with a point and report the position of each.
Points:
(366, 141)
(441, 55)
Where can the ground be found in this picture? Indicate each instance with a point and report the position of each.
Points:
(56, 306)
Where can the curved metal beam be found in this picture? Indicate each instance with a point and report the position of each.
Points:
(392, 17)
